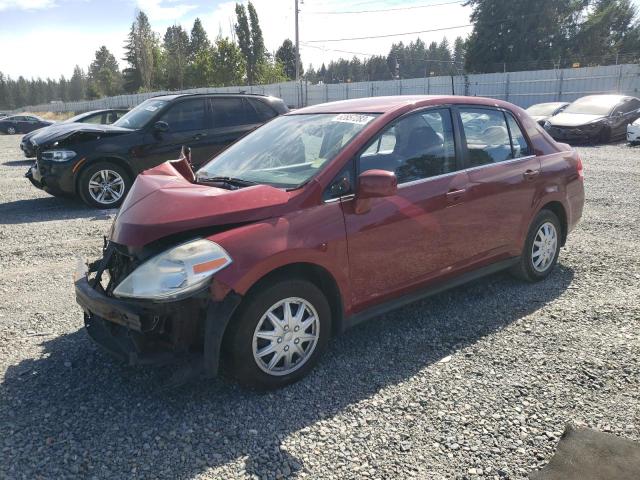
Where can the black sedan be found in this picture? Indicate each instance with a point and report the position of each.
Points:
(97, 117)
(541, 112)
(22, 124)
(595, 118)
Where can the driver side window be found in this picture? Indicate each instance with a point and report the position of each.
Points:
(416, 147)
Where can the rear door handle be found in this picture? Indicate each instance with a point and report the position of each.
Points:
(455, 195)
(531, 174)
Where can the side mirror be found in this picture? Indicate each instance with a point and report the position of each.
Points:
(161, 127)
(376, 183)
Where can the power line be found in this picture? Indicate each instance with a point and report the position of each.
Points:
(386, 9)
(389, 35)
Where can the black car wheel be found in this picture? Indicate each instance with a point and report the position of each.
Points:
(104, 185)
(541, 248)
(278, 334)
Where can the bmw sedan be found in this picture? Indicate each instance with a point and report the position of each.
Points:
(22, 124)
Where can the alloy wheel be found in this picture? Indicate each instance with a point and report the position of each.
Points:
(545, 246)
(106, 186)
(11, 131)
(286, 336)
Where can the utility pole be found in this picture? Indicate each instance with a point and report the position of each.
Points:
(297, 45)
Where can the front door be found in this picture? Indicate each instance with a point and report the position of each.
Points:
(187, 126)
(405, 239)
(503, 178)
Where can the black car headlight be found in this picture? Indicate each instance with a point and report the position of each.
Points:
(58, 155)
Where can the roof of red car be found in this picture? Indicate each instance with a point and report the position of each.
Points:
(391, 103)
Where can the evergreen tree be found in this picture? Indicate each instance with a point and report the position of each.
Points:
(286, 55)
(228, 61)
(104, 74)
(250, 41)
(140, 53)
(507, 31)
(199, 40)
(77, 85)
(176, 51)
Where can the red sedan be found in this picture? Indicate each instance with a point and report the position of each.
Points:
(323, 218)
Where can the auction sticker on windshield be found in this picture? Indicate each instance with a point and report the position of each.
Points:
(353, 118)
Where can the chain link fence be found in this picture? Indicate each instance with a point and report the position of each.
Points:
(523, 88)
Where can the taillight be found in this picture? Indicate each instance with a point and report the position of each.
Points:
(580, 169)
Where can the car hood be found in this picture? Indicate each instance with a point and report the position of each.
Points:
(185, 206)
(573, 119)
(62, 131)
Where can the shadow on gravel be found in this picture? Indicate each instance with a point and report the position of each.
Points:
(47, 209)
(20, 163)
(73, 412)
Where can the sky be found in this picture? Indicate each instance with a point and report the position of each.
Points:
(47, 38)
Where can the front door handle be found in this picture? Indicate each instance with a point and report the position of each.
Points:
(198, 136)
(531, 174)
(455, 195)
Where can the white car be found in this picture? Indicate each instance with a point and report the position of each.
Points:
(633, 132)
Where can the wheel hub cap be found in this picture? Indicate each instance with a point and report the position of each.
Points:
(286, 336)
(545, 245)
(106, 186)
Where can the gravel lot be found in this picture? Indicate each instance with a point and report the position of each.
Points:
(474, 383)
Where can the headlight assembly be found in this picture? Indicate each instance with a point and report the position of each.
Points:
(58, 155)
(176, 272)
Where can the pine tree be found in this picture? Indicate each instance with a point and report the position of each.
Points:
(176, 50)
(104, 74)
(199, 40)
(77, 85)
(286, 55)
(250, 40)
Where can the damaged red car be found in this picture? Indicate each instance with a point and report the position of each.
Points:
(323, 218)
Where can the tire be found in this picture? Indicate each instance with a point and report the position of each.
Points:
(11, 131)
(251, 320)
(537, 265)
(109, 174)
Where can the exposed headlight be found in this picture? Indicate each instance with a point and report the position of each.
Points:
(175, 272)
(547, 124)
(58, 155)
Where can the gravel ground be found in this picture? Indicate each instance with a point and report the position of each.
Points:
(477, 382)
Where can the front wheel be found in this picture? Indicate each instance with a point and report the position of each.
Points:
(541, 248)
(278, 335)
(103, 185)
(11, 131)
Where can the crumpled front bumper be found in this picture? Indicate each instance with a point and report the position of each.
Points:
(149, 333)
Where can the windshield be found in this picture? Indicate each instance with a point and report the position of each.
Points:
(139, 116)
(289, 150)
(75, 118)
(593, 105)
(543, 109)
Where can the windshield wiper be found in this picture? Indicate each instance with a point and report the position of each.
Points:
(228, 180)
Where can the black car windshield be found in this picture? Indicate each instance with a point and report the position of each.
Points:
(76, 118)
(593, 105)
(139, 116)
(289, 150)
(543, 109)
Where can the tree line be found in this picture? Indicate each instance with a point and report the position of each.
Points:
(507, 35)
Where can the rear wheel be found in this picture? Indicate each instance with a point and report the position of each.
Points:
(278, 334)
(103, 185)
(541, 248)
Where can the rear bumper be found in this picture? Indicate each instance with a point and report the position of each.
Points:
(147, 333)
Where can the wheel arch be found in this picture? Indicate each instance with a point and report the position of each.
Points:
(558, 209)
(316, 274)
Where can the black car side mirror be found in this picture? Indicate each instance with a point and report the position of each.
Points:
(161, 127)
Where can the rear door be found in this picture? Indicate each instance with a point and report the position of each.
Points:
(231, 118)
(503, 177)
(188, 125)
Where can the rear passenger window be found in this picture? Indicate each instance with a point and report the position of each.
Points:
(259, 111)
(185, 116)
(418, 146)
(486, 135)
(228, 112)
(520, 145)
